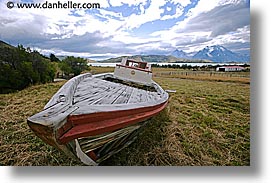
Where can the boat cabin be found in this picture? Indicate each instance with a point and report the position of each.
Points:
(135, 71)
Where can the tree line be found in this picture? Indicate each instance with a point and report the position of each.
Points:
(195, 67)
(21, 67)
(176, 66)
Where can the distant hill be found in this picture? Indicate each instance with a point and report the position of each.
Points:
(218, 53)
(5, 50)
(155, 58)
(91, 61)
(4, 45)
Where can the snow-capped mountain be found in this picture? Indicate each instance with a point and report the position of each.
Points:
(180, 54)
(218, 53)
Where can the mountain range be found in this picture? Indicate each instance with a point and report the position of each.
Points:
(156, 58)
(181, 54)
(215, 53)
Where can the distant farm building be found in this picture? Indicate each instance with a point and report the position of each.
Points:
(230, 68)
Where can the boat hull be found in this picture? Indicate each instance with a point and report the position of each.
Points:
(94, 132)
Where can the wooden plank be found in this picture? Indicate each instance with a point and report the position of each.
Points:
(96, 89)
(84, 87)
(142, 96)
(138, 96)
(133, 98)
(66, 92)
(93, 93)
(125, 96)
(87, 84)
(152, 96)
(101, 97)
(91, 98)
(111, 96)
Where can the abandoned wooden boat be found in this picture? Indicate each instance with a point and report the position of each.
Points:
(92, 117)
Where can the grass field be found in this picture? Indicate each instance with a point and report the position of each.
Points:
(207, 122)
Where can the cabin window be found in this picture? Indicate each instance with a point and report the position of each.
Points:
(136, 64)
(131, 64)
(142, 65)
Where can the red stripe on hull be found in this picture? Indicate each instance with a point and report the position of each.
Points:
(98, 123)
(102, 116)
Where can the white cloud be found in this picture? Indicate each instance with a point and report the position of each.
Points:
(150, 14)
(241, 35)
(179, 9)
(189, 31)
(129, 2)
(154, 13)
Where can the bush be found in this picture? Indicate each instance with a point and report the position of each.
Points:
(22, 67)
(73, 65)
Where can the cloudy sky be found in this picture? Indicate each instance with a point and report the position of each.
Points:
(128, 27)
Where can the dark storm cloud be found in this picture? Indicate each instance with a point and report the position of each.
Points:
(93, 43)
(21, 32)
(84, 43)
(31, 34)
(221, 20)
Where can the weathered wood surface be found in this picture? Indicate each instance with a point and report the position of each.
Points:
(93, 91)
(86, 94)
(60, 106)
(65, 93)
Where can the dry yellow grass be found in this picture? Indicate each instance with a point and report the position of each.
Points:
(240, 77)
(205, 123)
(98, 70)
(214, 78)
